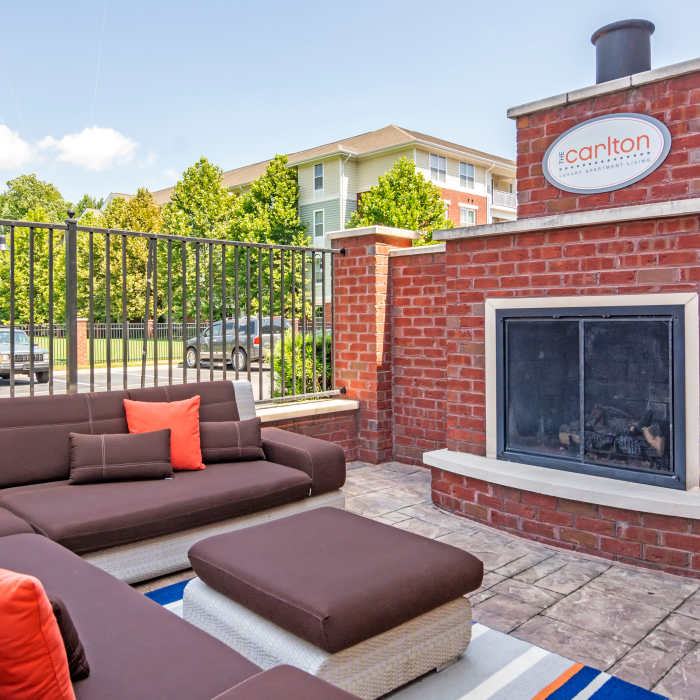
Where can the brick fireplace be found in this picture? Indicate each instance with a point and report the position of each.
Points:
(424, 361)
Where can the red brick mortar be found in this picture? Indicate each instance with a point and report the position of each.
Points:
(675, 102)
(661, 255)
(643, 539)
(340, 428)
(419, 374)
(455, 198)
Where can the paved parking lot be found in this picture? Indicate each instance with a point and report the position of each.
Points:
(133, 379)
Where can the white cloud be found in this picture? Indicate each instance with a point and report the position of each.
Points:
(94, 148)
(171, 173)
(14, 150)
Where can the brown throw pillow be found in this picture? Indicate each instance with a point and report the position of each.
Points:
(231, 440)
(119, 457)
(77, 661)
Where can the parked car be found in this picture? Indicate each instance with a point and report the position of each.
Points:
(252, 341)
(22, 356)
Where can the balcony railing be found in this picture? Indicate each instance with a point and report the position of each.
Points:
(502, 198)
(134, 303)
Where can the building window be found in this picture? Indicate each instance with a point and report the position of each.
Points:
(446, 203)
(318, 177)
(318, 224)
(467, 216)
(466, 175)
(438, 168)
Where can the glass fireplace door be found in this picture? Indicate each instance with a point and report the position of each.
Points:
(600, 392)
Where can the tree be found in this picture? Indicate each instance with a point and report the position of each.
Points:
(403, 198)
(200, 205)
(140, 213)
(269, 211)
(88, 202)
(27, 193)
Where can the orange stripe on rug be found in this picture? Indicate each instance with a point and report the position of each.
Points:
(558, 683)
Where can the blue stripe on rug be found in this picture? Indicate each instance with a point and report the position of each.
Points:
(488, 654)
(168, 594)
(575, 684)
(617, 689)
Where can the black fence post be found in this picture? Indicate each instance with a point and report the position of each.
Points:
(71, 243)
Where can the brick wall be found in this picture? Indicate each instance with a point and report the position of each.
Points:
(363, 337)
(455, 198)
(653, 541)
(660, 255)
(418, 355)
(340, 428)
(675, 102)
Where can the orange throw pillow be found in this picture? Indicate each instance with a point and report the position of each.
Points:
(33, 662)
(182, 417)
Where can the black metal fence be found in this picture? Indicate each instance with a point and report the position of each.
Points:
(85, 308)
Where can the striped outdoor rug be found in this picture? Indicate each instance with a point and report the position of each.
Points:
(496, 666)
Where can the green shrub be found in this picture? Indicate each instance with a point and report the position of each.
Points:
(303, 358)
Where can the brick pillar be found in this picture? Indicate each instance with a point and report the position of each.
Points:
(363, 330)
(82, 342)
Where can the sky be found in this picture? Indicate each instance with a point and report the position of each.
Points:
(99, 96)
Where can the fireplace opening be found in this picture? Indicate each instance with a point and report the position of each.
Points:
(596, 390)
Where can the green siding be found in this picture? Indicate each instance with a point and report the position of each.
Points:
(331, 216)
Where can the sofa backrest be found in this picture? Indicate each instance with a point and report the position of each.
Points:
(34, 442)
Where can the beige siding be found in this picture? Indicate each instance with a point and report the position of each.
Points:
(452, 178)
(331, 175)
(369, 169)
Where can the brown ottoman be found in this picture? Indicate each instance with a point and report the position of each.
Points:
(366, 606)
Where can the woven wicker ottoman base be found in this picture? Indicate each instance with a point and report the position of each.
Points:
(368, 669)
(363, 605)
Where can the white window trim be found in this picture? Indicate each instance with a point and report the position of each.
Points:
(430, 168)
(313, 224)
(323, 177)
(468, 207)
(467, 186)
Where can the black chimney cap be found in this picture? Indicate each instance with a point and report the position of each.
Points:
(622, 48)
(623, 24)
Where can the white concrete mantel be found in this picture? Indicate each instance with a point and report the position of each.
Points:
(570, 485)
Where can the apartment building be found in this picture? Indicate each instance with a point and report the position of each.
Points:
(477, 187)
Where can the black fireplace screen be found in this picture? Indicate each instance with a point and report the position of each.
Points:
(597, 390)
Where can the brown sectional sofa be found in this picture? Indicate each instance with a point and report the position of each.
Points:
(109, 522)
(136, 649)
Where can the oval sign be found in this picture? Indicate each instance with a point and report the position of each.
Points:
(606, 153)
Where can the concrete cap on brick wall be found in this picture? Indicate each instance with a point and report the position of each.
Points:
(374, 231)
(629, 81)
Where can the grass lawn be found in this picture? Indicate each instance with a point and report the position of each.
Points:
(134, 350)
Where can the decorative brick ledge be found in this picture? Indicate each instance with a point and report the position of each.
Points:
(643, 539)
(337, 423)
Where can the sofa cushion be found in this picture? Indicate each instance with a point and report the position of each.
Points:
(137, 649)
(34, 443)
(231, 441)
(77, 661)
(217, 400)
(33, 662)
(285, 682)
(120, 457)
(180, 417)
(11, 524)
(334, 578)
(96, 516)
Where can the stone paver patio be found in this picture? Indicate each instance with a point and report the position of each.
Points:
(640, 625)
